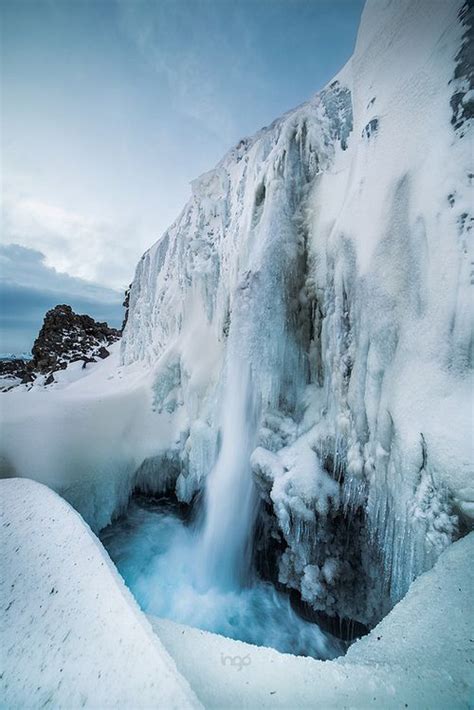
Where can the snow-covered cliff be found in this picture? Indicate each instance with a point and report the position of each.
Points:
(325, 261)
(330, 251)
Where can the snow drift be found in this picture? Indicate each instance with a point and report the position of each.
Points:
(329, 253)
(72, 634)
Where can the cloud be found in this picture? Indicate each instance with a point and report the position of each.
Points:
(70, 242)
(28, 268)
(28, 288)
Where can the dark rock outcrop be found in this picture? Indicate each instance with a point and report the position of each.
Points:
(126, 305)
(67, 337)
(462, 100)
(14, 369)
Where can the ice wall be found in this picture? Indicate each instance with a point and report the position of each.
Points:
(225, 281)
(330, 251)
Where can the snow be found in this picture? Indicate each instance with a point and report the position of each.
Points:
(85, 437)
(72, 634)
(318, 278)
(419, 656)
(329, 253)
(8, 381)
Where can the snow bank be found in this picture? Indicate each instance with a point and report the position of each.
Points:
(87, 436)
(72, 634)
(419, 656)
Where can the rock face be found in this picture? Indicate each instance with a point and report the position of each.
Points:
(68, 337)
(16, 367)
(12, 372)
(65, 337)
(126, 305)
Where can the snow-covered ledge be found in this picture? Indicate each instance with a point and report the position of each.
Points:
(72, 634)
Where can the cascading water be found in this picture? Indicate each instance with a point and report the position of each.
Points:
(224, 545)
(201, 574)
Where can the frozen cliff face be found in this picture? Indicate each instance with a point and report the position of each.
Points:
(226, 281)
(330, 253)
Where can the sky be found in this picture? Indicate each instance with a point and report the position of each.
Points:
(111, 107)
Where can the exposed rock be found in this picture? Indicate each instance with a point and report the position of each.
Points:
(462, 100)
(14, 372)
(67, 337)
(126, 305)
(16, 367)
(103, 353)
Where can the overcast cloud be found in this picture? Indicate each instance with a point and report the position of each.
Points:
(71, 242)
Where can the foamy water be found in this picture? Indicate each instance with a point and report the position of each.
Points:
(156, 554)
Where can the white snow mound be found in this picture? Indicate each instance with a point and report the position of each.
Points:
(72, 635)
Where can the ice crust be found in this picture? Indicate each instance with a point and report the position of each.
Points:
(330, 251)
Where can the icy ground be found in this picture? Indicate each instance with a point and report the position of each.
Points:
(73, 635)
(155, 552)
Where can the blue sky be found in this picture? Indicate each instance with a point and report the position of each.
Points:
(112, 107)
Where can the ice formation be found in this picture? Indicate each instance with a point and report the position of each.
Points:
(329, 253)
(326, 259)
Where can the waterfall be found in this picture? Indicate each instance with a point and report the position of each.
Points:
(224, 547)
(203, 577)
